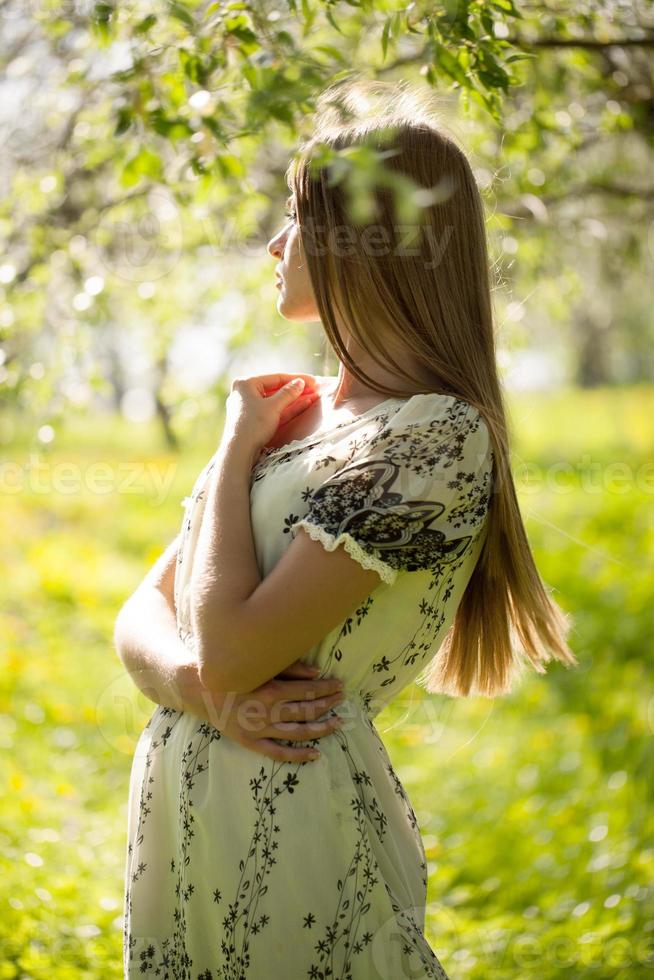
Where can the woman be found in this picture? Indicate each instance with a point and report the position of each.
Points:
(261, 866)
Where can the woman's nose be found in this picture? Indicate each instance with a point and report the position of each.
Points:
(276, 245)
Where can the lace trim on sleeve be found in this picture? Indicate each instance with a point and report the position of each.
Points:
(353, 548)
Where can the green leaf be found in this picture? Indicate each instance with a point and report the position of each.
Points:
(449, 64)
(102, 22)
(491, 73)
(124, 120)
(197, 166)
(171, 128)
(397, 23)
(521, 57)
(283, 112)
(283, 37)
(308, 14)
(240, 27)
(451, 8)
(192, 66)
(181, 13)
(229, 165)
(332, 51)
(145, 163)
(330, 17)
(214, 126)
(384, 37)
(143, 26)
(487, 21)
(103, 12)
(507, 5)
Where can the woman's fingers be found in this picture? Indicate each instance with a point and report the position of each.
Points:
(301, 730)
(299, 669)
(310, 690)
(297, 407)
(273, 382)
(309, 710)
(282, 753)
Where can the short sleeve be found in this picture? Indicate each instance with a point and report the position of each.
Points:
(414, 494)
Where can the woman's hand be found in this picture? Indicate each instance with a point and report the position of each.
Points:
(287, 706)
(256, 407)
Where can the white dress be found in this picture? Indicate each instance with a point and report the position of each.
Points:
(240, 867)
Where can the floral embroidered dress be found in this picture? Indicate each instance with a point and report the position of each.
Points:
(240, 867)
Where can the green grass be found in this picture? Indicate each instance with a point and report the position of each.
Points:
(535, 808)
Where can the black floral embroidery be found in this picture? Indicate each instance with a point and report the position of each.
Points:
(369, 501)
(211, 863)
(282, 455)
(340, 940)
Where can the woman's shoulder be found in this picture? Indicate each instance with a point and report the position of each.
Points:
(436, 412)
(439, 431)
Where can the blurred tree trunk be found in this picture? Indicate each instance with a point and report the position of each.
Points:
(163, 411)
(116, 376)
(593, 365)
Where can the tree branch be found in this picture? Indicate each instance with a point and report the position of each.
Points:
(519, 210)
(588, 43)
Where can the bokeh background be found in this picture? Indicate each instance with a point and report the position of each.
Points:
(142, 174)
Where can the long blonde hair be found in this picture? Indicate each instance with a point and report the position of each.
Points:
(443, 319)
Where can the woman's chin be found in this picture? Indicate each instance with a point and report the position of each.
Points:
(285, 307)
(302, 312)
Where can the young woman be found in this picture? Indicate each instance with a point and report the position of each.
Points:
(366, 524)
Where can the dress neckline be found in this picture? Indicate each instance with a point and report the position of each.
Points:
(321, 432)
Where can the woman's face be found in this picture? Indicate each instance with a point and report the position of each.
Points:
(296, 300)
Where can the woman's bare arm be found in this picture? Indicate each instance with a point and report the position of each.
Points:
(148, 644)
(146, 638)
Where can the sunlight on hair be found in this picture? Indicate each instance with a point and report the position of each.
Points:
(393, 231)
